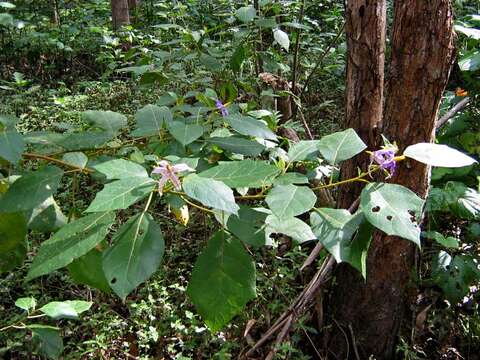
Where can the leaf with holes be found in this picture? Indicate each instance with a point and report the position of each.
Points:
(223, 281)
(438, 155)
(246, 173)
(137, 252)
(70, 242)
(292, 227)
(287, 201)
(394, 209)
(341, 146)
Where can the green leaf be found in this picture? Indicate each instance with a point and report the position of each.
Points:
(249, 126)
(69, 309)
(136, 254)
(466, 203)
(70, 242)
(210, 193)
(238, 57)
(469, 32)
(287, 201)
(246, 173)
(121, 169)
(47, 217)
(341, 146)
(438, 155)
(13, 230)
(223, 281)
(7, 5)
(455, 275)
(335, 228)
(303, 150)
(238, 145)
(120, 194)
(292, 227)
(185, 133)
(88, 270)
(245, 14)
(26, 303)
(248, 226)
(14, 258)
(359, 248)
(448, 242)
(31, 189)
(6, 19)
(11, 146)
(48, 340)
(392, 208)
(291, 178)
(78, 159)
(281, 37)
(109, 121)
(470, 62)
(151, 119)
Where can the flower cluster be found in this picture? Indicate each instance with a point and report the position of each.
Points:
(221, 107)
(385, 158)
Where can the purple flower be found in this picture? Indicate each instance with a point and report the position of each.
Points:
(169, 172)
(384, 158)
(221, 107)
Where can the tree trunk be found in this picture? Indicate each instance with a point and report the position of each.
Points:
(120, 14)
(422, 53)
(365, 29)
(55, 12)
(133, 4)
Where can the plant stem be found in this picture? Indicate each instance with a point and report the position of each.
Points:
(57, 161)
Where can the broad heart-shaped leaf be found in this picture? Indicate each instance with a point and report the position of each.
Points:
(136, 254)
(249, 126)
(238, 145)
(88, 270)
(245, 14)
(185, 133)
(121, 169)
(291, 178)
(292, 227)
(11, 146)
(281, 37)
(48, 340)
(287, 201)
(223, 281)
(438, 155)
(120, 194)
(109, 121)
(245, 173)
(151, 119)
(13, 230)
(341, 146)
(69, 309)
(26, 303)
(46, 217)
(31, 189)
(303, 150)
(70, 242)
(392, 208)
(78, 159)
(210, 193)
(248, 226)
(334, 228)
(71, 141)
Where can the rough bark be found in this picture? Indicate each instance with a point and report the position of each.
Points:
(133, 4)
(120, 15)
(365, 29)
(422, 54)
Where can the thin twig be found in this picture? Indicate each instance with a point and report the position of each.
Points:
(451, 113)
(57, 161)
(354, 344)
(321, 59)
